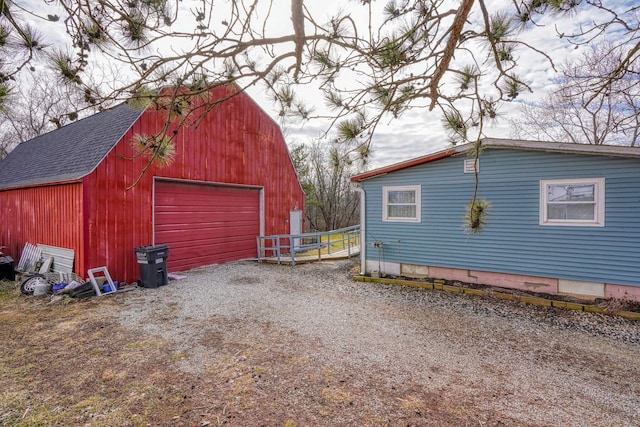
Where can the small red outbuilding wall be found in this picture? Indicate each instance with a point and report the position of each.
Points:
(103, 220)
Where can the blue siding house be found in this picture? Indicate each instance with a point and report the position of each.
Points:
(564, 218)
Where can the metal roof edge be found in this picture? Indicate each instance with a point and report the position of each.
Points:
(499, 143)
(75, 180)
(412, 162)
(563, 147)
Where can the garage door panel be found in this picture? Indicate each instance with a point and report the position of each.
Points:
(202, 255)
(205, 224)
(203, 207)
(177, 213)
(172, 211)
(231, 228)
(214, 217)
(196, 237)
(203, 249)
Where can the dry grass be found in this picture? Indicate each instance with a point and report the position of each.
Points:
(412, 403)
(70, 364)
(336, 395)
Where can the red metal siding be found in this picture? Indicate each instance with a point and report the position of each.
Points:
(49, 215)
(236, 143)
(205, 224)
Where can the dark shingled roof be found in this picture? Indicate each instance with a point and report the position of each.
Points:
(68, 153)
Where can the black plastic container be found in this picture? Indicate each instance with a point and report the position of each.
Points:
(7, 269)
(152, 261)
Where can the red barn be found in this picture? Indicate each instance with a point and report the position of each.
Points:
(231, 180)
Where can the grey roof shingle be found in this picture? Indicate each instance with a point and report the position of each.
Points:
(68, 153)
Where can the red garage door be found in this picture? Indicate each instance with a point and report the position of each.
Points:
(205, 224)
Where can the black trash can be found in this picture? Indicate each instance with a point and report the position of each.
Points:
(153, 265)
(7, 270)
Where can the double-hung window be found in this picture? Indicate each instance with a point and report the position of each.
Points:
(572, 202)
(401, 204)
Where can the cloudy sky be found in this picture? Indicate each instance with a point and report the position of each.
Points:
(419, 132)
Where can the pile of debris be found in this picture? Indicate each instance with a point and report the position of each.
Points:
(47, 270)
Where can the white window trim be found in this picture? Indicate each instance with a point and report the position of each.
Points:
(599, 197)
(385, 200)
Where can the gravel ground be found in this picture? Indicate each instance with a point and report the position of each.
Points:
(450, 358)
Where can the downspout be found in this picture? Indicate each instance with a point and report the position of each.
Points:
(363, 246)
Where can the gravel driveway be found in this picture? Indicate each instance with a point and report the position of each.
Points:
(306, 345)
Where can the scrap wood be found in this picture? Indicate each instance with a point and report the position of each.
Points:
(29, 258)
(46, 265)
(63, 258)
